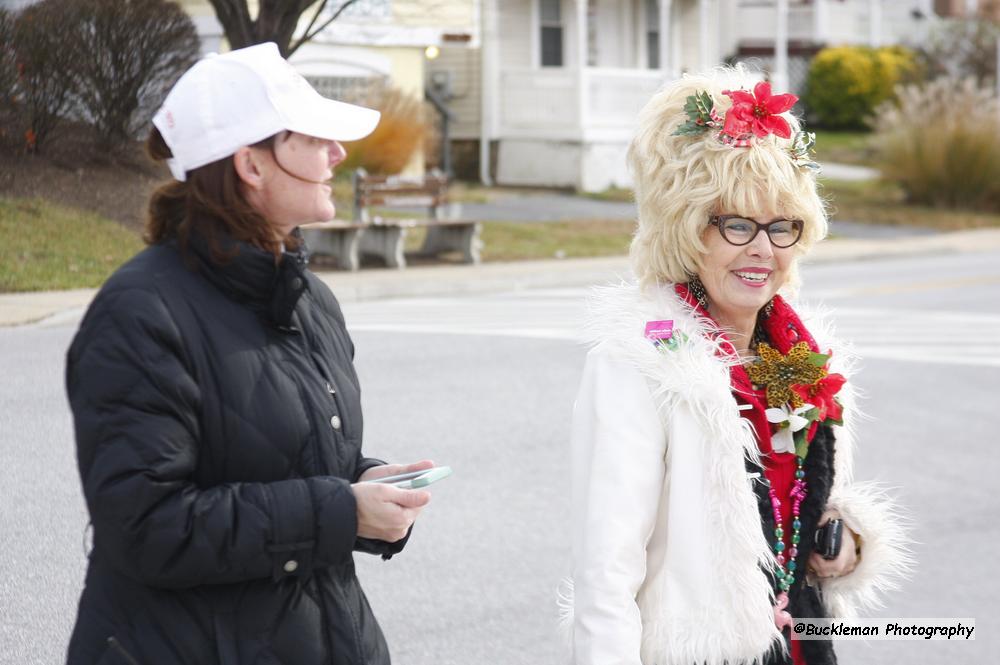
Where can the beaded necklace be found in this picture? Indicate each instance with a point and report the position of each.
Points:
(786, 571)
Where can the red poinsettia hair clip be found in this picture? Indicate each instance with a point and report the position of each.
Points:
(758, 113)
(755, 114)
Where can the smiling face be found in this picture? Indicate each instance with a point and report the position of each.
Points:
(293, 186)
(740, 280)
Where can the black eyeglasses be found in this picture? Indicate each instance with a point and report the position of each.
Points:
(742, 231)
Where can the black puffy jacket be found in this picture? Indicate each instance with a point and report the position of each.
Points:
(218, 426)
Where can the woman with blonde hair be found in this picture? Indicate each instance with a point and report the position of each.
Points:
(711, 444)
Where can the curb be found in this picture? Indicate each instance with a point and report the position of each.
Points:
(55, 307)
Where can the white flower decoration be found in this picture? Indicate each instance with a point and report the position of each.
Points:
(782, 441)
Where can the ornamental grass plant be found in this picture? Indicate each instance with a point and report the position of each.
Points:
(400, 133)
(941, 143)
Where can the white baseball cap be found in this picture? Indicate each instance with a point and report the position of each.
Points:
(228, 101)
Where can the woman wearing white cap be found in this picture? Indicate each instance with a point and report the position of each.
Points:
(216, 406)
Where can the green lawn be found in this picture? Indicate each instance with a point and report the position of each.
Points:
(520, 241)
(881, 202)
(44, 246)
(510, 241)
(843, 148)
(49, 247)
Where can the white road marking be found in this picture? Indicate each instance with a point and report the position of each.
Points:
(934, 337)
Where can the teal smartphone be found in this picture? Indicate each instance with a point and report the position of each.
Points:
(415, 479)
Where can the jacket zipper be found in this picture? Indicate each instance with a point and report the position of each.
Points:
(319, 574)
(117, 646)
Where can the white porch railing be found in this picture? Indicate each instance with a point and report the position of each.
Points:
(615, 96)
(837, 23)
(546, 103)
(538, 103)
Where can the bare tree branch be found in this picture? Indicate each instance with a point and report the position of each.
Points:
(307, 36)
(319, 10)
(125, 57)
(277, 21)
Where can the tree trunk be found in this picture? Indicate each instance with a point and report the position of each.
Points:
(277, 21)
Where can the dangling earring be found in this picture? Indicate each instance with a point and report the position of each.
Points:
(698, 291)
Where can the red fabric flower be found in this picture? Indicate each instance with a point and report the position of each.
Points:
(822, 395)
(757, 113)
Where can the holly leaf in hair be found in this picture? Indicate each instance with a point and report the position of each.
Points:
(698, 108)
(801, 150)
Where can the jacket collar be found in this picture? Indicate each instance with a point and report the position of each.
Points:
(252, 277)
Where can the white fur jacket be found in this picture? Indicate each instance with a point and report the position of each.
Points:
(667, 544)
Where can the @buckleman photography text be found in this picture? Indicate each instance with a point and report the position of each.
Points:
(886, 629)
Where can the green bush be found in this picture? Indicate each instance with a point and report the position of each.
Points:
(846, 83)
(44, 84)
(941, 143)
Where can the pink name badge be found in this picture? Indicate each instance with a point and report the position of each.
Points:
(659, 331)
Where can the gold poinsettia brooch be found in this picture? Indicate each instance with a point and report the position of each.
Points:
(780, 372)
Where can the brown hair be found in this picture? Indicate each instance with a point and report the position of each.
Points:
(212, 199)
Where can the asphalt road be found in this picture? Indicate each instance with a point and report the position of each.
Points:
(485, 384)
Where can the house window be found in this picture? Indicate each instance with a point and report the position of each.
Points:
(550, 20)
(356, 89)
(653, 34)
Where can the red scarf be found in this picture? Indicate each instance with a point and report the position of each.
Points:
(784, 330)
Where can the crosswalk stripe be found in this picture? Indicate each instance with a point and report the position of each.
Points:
(936, 337)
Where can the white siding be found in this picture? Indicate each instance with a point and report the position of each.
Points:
(515, 33)
(570, 33)
(463, 66)
(613, 19)
(687, 29)
(899, 26)
(448, 15)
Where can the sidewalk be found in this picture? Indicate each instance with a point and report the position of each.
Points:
(449, 279)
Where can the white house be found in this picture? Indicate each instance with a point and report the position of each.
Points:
(556, 87)
(557, 84)
(749, 29)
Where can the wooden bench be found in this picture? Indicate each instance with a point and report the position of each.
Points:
(385, 236)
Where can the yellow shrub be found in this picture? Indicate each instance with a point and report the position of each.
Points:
(846, 83)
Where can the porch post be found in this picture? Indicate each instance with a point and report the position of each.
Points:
(779, 73)
(583, 96)
(489, 106)
(704, 57)
(874, 23)
(667, 64)
(821, 22)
